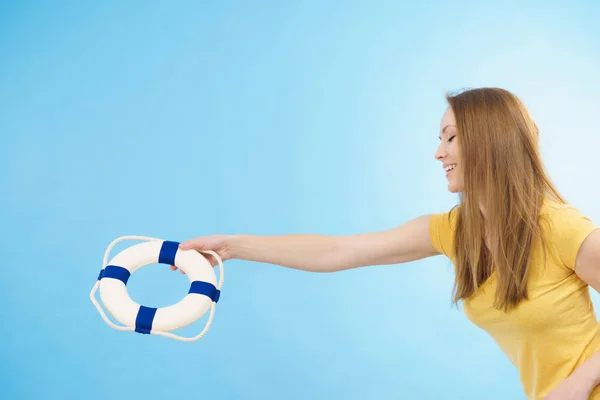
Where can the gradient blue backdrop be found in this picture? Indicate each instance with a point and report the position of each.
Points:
(181, 119)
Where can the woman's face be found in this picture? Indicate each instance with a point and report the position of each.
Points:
(448, 152)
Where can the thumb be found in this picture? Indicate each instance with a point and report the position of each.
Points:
(196, 244)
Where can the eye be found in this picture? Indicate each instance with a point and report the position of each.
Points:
(451, 138)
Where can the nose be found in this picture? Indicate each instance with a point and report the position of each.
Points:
(440, 152)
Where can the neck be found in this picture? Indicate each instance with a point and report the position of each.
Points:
(483, 209)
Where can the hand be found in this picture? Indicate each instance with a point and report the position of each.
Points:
(216, 243)
(575, 387)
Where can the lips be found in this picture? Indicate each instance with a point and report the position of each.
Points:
(449, 168)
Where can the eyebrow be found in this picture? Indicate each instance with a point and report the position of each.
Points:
(444, 130)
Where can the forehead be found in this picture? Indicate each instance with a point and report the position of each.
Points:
(447, 119)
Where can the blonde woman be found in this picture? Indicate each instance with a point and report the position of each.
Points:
(524, 259)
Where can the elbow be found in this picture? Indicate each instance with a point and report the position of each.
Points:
(340, 258)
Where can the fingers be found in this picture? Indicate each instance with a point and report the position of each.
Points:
(210, 259)
(198, 245)
(174, 268)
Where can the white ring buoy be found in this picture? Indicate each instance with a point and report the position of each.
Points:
(203, 294)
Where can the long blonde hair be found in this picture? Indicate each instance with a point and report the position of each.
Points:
(503, 171)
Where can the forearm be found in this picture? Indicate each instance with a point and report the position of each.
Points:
(308, 252)
(589, 371)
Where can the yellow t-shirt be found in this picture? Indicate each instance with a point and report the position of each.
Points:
(549, 335)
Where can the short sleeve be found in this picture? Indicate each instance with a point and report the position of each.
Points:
(569, 230)
(441, 232)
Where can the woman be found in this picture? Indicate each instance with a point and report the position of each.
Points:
(523, 257)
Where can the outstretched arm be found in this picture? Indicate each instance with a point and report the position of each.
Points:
(322, 253)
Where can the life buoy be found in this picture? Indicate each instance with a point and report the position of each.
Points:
(204, 292)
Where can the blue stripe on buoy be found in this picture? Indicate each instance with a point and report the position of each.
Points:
(115, 272)
(144, 319)
(168, 251)
(205, 288)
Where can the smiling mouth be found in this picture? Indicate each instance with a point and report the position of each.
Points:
(449, 169)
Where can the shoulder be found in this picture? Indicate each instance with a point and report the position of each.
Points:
(441, 229)
(565, 229)
(552, 207)
(563, 218)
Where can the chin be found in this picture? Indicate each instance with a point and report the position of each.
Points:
(453, 189)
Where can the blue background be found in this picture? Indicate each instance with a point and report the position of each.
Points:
(182, 119)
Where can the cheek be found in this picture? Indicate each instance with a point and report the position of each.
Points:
(454, 149)
(462, 175)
